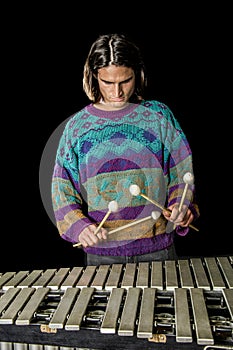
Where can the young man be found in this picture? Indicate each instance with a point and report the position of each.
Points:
(117, 143)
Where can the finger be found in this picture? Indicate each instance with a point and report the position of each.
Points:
(88, 238)
(88, 241)
(187, 219)
(174, 214)
(182, 215)
(102, 235)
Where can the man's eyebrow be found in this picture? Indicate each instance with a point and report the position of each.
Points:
(123, 81)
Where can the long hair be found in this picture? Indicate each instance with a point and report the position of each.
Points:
(113, 49)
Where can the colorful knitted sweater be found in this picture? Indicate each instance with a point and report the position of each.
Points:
(100, 155)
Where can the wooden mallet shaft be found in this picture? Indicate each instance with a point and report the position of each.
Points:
(112, 207)
(130, 224)
(135, 190)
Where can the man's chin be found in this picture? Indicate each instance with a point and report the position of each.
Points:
(119, 105)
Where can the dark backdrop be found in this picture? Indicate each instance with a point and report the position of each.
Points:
(188, 60)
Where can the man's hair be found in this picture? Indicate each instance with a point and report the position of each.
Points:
(113, 49)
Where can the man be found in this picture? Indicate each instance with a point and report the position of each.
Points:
(118, 141)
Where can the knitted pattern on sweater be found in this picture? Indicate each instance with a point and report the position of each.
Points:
(100, 154)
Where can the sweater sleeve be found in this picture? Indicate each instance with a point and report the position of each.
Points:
(178, 162)
(67, 200)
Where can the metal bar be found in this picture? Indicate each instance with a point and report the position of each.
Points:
(146, 316)
(100, 277)
(129, 276)
(186, 279)
(171, 275)
(86, 277)
(228, 296)
(143, 275)
(7, 298)
(51, 347)
(114, 277)
(201, 319)
(109, 324)
(157, 275)
(35, 346)
(182, 317)
(20, 346)
(58, 278)
(128, 318)
(72, 278)
(227, 270)
(6, 345)
(200, 275)
(214, 274)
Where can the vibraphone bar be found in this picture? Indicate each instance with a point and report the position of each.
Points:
(183, 304)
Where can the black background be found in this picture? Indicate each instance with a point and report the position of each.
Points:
(189, 62)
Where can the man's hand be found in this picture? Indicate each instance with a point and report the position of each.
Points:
(181, 218)
(88, 237)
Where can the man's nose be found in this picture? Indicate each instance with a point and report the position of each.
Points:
(117, 90)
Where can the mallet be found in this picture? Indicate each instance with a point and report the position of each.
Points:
(112, 207)
(135, 191)
(154, 215)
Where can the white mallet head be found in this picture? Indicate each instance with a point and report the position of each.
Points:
(155, 214)
(113, 206)
(188, 178)
(134, 190)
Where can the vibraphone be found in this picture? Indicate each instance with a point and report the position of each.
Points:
(182, 304)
